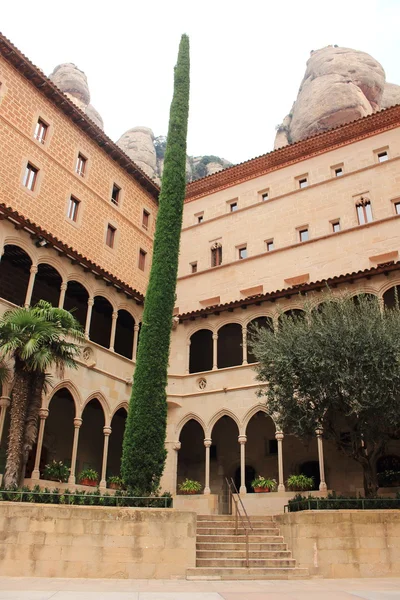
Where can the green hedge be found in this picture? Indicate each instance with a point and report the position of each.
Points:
(83, 498)
(337, 502)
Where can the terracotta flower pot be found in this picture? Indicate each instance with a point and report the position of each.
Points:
(114, 486)
(89, 482)
(189, 493)
(261, 490)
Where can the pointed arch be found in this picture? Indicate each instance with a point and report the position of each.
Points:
(224, 412)
(73, 390)
(11, 240)
(186, 419)
(251, 412)
(103, 403)
(123, 405)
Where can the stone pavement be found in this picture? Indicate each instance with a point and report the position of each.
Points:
(19, 588)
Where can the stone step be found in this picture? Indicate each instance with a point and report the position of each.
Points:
(241, 553)
(226, 546)
(217, 563)
(241, 531)
(266, 539)
(256, 573)
(264, 519)
(231, 523)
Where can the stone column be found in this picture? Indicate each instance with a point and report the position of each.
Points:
(135, 341)
(4, 404)
(114, 318)
(244, 345)
(281, 483)
(77, 426)
(43, 414)
(90, 303)
(215, 351)
(63, 289)
(176, 446)
(31, 283)
(187, 369)
(207, 444)
(107, 433)
(322, 485)
(242, 439)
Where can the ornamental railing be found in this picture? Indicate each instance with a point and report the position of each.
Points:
(85, 499)
(342, 504)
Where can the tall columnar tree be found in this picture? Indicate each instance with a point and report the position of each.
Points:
(144, 451)
(337, 368)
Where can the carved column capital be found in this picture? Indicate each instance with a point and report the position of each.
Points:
(136, 328)
(64, 286)
(319, 432)
(242, 439)
(77, 423)
(177, 446)
(34, 269)
(90, 301)
(215, 336)
(114, 315)
(43, 413)
(5, 401)
(107, 430)
(207, 442)
(279, 435)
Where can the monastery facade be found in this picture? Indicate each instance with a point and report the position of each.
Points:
(77, 225)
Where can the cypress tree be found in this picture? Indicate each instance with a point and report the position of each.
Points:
(144, 453)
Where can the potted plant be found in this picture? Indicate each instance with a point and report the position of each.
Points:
(88, 477)
(115, 482)
(56, 471)
(300, 483)
(189, 486)
(263, 484)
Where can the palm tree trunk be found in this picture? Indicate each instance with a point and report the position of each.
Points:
(19, 402)
(32, 414)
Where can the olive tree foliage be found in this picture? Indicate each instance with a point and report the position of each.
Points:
(336, 368)
(144, 453)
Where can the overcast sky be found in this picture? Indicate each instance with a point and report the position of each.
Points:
(247, 58)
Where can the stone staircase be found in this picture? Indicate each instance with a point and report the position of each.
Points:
(220, 554)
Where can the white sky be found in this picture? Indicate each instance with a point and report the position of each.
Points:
(247, 58)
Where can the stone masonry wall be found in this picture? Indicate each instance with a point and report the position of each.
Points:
(81, 541)
(340, 544)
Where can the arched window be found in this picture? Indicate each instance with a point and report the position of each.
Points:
(14, 274)
(201, 351)
(76, 300)
(216, 254)
(124, 334)
(101, 321)
(260, 322)
(391, 297)
(230, 351)
(47, 285)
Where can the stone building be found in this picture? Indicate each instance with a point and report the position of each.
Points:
(77, 224)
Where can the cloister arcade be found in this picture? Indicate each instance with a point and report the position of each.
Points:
(24, 282)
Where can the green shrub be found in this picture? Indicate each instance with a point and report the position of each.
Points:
(337, 502)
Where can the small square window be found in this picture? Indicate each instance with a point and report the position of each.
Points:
(233, 206)
(142, 259)
(81, 165)
(397, 208)
(193, 267)
(199, 218)
(145, 219)
(303, 182)
(383, 156)
(270, 245)
(30, 177)
(336, 226)
(110, 237)
(40, 131)
(303, 233)
(265, 196)
(73, 207)
(115, 194)
(338, 172)
(243, 252)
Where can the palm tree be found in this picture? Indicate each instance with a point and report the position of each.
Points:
(35, 339)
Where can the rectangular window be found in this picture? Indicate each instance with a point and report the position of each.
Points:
(233, 206)
(115, 194)
(364, 212)
(270, 245)
(265, 196)
(145, 219)
(336, 226)
(303, 233)
(243, 252)
(142, 259)
(397, 208)
(200, 219)
(81, 165)
(40, 131)
(383, 156)
(303, 182)
(338, 172)
(110, 237)
(73, 207)
(193, 267)
(30, 177)
(216, 256)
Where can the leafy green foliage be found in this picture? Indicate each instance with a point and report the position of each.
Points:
(337, 502)
(337, 368)
(57, 471)
(144, 451)
(300, 482)
(89, 474)
(265, 483)
(189, 485)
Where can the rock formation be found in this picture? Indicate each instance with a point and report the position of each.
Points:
(339, 86)
(73, 82)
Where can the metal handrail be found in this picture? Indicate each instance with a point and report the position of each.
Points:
(109, 501)
(238, 514)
